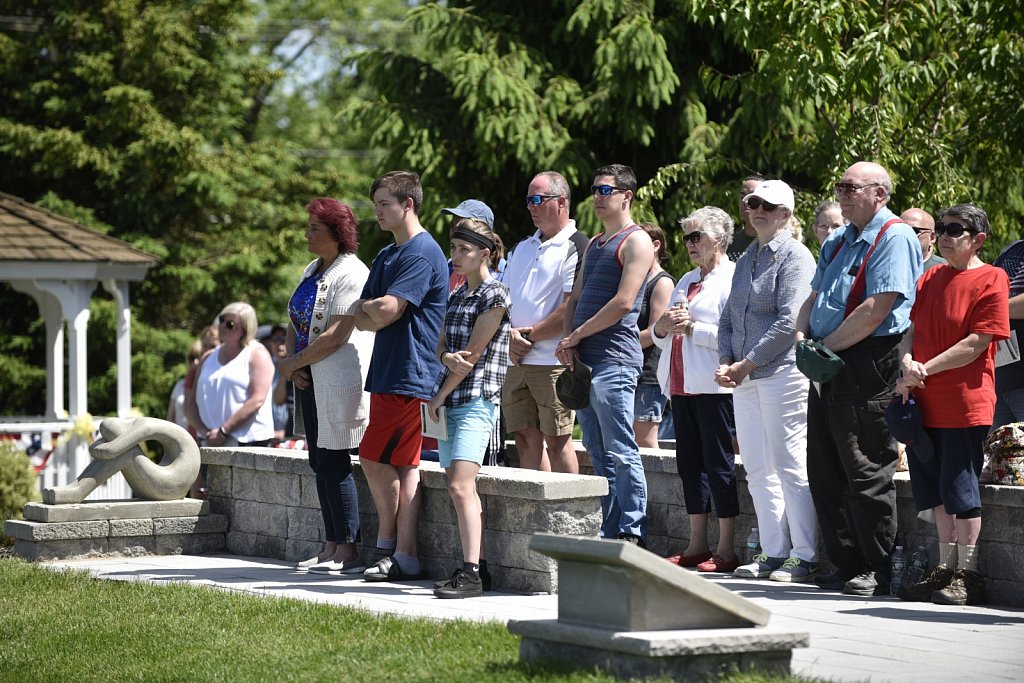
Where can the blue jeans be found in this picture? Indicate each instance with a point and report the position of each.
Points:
(607, 425)
(335, 485)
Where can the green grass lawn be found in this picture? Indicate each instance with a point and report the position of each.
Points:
(68, 626)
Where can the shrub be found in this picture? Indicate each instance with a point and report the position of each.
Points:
(17, 480)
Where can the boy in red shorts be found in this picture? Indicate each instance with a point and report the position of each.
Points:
(403, 302)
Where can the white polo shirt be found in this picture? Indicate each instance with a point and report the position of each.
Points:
(539, 275)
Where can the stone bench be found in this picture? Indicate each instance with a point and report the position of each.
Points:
(269, 496)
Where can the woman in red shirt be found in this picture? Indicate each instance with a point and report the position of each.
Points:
(948, 363)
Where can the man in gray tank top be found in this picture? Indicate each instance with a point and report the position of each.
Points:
(600, 330)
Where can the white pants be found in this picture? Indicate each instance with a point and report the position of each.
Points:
(771, 426)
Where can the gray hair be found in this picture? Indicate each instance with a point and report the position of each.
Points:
(713, 222)
(827, 205)
(557, 185)
(972, 214)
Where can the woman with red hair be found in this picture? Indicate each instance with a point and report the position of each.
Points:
(326, 360)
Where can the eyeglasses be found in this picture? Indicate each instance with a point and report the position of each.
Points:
(918, 229)
(827, 226)
(604, 190)
(230, 324)
(849, 188)
(953, 229)
(536, 199)
(278, 340)
(693, 237)
(754, 203)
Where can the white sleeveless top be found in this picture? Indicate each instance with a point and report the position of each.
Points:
(222, 389)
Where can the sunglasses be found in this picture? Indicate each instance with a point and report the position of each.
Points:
(754, 203)
(849, 188)
(693, 237)
(230, 324)
(536, 199)
(604, 190)
(918, 229)
(953, 229)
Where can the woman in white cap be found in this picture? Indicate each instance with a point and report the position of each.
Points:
(755, 345)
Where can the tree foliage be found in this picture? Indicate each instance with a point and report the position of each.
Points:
(147, 121)
(695, 95)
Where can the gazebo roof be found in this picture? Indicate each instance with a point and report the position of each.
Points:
(29, 233)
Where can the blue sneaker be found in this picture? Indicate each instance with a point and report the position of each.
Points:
(760, 568)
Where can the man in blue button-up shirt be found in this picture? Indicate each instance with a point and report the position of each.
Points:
(850, 455)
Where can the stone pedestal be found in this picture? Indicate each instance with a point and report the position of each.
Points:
(629, 612)
(111, 528)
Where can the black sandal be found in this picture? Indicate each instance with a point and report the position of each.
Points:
(387, 569)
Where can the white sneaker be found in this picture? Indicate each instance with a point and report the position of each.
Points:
(306, 564)
(332, 567)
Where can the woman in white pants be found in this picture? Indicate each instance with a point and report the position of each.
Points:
(755, 343)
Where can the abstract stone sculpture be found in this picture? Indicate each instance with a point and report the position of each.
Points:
(118, 451)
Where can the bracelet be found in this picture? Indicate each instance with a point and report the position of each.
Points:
(222, 432)
(689, 328)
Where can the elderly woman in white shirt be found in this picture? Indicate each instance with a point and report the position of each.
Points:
(687, 333)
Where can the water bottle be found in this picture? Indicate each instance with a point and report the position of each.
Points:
(899, 570)
(753, 544)
(916, 568)
(682, 304)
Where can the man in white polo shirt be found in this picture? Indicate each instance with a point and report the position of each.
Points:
(540, 274)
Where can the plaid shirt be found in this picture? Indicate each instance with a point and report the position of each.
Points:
(488, 374)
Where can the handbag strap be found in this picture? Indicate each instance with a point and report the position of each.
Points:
(856, 296)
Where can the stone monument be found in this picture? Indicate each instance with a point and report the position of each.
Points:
(631, 613)
(158, 520)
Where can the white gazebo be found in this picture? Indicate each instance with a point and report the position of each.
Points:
(59, 263)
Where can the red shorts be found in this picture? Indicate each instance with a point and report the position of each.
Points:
(394, 434)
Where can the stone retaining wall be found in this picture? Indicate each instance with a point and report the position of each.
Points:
(270, 497)
(1002, 526)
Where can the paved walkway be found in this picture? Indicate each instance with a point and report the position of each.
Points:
(852, 639)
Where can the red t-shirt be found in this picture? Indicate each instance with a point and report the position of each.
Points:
(950, 305)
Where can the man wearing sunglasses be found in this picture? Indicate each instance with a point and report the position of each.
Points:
(859, 307)
(600, 329)
(922, 223)
(540, 273)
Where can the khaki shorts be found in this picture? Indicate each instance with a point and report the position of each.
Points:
(528, 400)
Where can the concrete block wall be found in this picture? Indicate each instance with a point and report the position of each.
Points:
(1002, 526)
(269, 495)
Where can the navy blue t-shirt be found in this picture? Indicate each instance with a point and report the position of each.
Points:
(403, 360)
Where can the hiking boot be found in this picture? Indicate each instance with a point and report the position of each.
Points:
(794, 569)
(461, 585)
(760, 568)
(935, 580)
(866, 584)
(966, 588)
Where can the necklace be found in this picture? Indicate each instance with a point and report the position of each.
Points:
(600, 244)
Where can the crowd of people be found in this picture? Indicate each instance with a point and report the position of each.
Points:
(761, 350)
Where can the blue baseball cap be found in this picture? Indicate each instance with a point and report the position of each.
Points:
(907, 426)
(473, 208)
